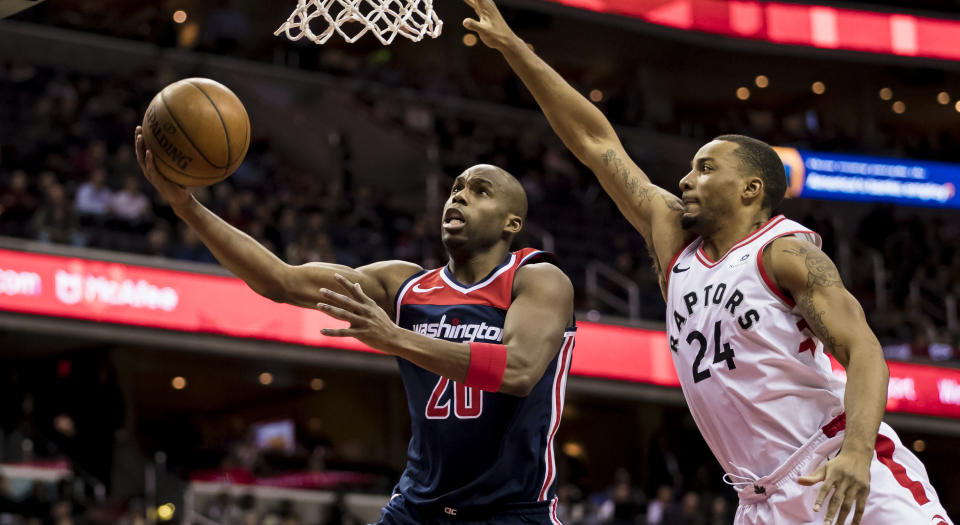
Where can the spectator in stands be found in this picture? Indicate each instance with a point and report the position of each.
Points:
(55, 220)
(130, 206)
(720, 512)
(158, 242)
(570, 507)
(92, 206)
(94, 197)
(17, 205)
(689, 512)
(627, 505)
(657, 508)
(191, 249)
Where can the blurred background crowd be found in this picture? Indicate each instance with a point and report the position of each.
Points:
(69, 176)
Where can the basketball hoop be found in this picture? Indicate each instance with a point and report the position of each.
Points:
(413, 19)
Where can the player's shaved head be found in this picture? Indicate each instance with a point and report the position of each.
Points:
(514, 194)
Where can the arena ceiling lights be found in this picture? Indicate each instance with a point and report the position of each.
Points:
(793, 24)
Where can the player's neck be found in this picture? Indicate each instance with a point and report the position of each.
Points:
(470, 268)
(733, 230)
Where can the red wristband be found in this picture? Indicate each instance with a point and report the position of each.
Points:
(488, 364)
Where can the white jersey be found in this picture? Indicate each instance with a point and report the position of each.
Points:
(755, 377)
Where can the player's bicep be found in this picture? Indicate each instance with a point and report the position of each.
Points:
(812, 279)
(844, 324)
(541, 311)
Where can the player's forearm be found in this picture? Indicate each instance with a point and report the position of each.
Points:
(452, 360)
(865, 399)
(577, 122)
(238, 252)
(445, 358)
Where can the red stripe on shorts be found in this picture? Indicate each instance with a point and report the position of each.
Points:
(885, 448)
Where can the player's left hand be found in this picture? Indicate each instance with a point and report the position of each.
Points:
(369, 324)
(490, 26)
(848, 476)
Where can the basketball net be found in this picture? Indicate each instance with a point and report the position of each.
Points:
(413, 19)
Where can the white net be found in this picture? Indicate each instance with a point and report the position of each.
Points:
(351, 19)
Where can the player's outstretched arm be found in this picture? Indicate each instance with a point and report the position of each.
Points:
(542, 308)
(652, 210)
(837, 319)
(263, 271)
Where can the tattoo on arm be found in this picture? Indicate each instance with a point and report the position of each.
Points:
(631, 182)
(820, 269)
(821, 273)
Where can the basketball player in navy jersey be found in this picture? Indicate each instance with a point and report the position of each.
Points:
(484, 346)
(752, 305)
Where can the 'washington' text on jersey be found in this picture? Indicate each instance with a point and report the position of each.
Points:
(457, 331)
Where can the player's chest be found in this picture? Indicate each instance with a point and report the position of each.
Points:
(480, 323)
(718, 318)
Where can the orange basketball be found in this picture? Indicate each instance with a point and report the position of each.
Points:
(198, 131)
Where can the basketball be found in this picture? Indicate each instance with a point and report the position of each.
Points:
(198, 131)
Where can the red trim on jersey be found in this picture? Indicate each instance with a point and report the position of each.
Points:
(710, 263)
(941, 518)
(885, 448)
(835, 426)
(767, 279)
(669, 269)
(496, 290)
(554, 520)
(558, 390)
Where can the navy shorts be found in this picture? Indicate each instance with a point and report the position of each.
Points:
(399, 512)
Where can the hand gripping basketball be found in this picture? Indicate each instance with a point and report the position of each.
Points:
(174, 194)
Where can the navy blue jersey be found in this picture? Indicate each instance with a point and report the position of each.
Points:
(471, 448)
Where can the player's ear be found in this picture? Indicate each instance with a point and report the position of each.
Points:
(514, 224)
(752, 189)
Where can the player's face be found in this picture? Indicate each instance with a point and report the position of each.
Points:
(475, 214)
(710, 190)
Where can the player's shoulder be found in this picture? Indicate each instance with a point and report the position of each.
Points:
(542, 277)
(792, 258)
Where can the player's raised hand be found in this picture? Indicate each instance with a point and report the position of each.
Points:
(489, 24)
(848, 477)
(369, 324)
(171, 192)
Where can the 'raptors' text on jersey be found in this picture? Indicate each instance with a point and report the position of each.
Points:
(754, 375)
(471, 448)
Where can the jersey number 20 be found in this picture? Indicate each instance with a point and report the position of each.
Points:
(467, 402)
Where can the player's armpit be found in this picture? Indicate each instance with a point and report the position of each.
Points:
(533, 332)
(834, 315)
(379, 281)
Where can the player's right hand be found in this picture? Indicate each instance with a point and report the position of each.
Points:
(171, 192)
(491, 27)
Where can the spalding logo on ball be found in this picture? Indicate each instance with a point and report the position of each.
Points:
(198, 131)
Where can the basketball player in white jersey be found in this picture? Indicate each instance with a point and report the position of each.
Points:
(752, 305)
